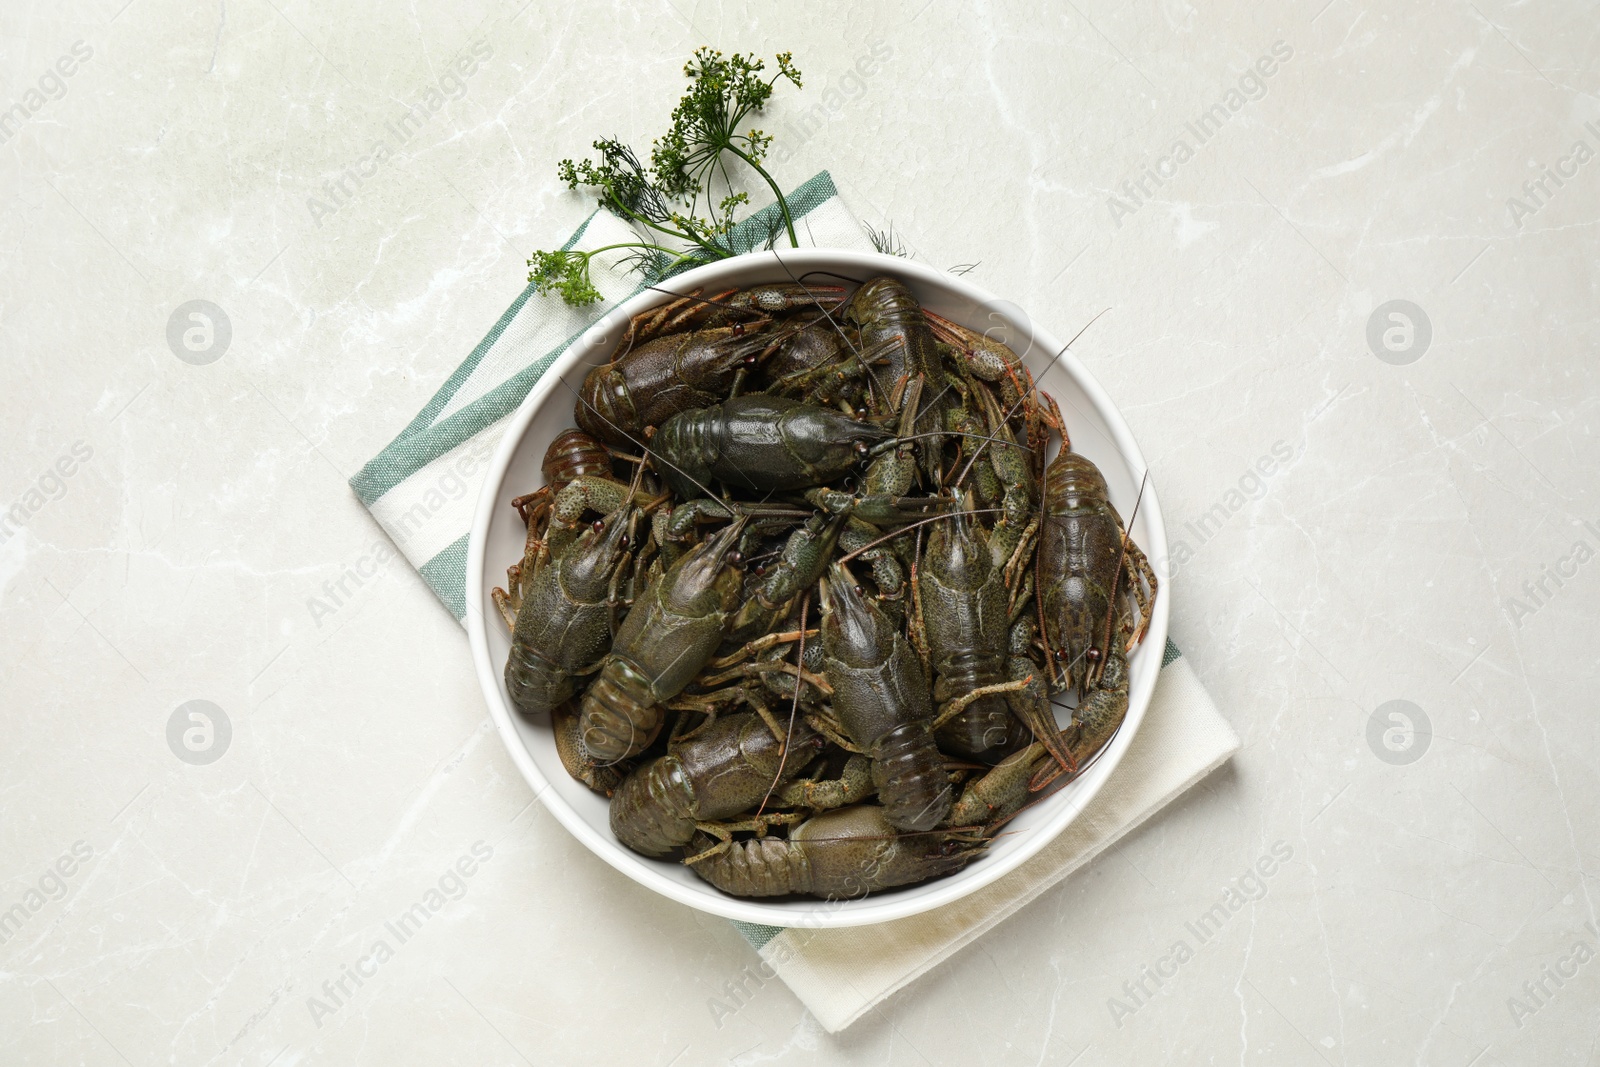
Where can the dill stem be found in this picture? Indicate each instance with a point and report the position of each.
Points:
(782, 202)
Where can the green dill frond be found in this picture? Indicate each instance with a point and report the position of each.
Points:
(672, 198)
(565, 272)
(886, 241)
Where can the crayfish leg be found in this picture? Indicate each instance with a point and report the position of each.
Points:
(1145, 586)
(507, 611)
(759, 644)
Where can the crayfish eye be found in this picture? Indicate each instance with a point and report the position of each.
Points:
(736, 557)
(738, 329)
(622, 542)
(1061, 655)
(761, 569)
(599, 526)
(1094, 655)
(858, 590)
(861, 448)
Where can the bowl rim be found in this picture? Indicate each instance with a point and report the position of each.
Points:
(815, 914)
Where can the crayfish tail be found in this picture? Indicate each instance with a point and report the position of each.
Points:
(977, 729)
(578, 763)
(612, 725)
(764, 867)
(854, 851)
(909, 773)
(653, 809)
(535, 685)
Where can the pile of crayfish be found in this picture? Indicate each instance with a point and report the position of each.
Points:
(800, 588)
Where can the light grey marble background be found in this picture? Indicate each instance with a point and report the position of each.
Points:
(1424, 534)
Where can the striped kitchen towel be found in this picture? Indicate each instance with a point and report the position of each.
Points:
(423, 488)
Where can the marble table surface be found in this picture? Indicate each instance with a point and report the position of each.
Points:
(1349, 256)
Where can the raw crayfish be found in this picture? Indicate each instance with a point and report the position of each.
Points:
(751, 705)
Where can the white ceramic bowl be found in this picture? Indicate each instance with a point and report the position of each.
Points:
(1097, 431)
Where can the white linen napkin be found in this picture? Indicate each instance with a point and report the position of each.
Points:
(840, 975)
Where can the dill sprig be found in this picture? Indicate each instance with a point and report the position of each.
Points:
(886, 241)
(680, 220)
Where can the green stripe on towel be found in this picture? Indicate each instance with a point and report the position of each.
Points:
(446, 575)
(424, 441)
